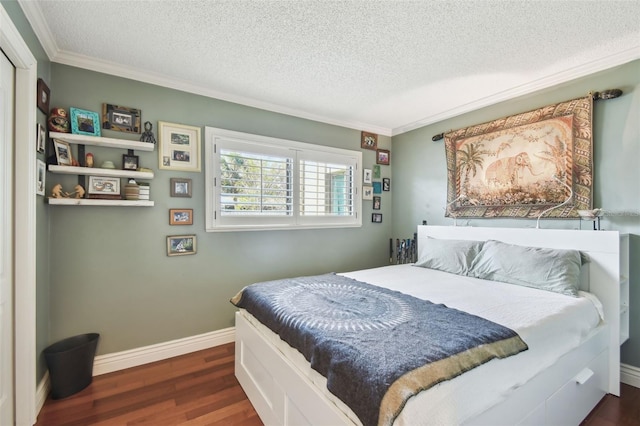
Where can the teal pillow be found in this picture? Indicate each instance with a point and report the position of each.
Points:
(543, 268)
(453, 256)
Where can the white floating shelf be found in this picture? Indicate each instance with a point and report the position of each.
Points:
(95, 171)
(99, 202)
(102, 141)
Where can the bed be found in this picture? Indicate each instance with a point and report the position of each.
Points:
(571, 362)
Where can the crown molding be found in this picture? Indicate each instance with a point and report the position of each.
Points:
(604, 63)
(36, 19)
(34, 15)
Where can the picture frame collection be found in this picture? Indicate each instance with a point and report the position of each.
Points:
(179, 149)
(373, 184)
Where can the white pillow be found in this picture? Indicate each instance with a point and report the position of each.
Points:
(454, 256)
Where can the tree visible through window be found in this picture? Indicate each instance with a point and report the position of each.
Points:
(255, 182)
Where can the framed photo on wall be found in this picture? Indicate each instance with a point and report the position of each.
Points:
(130, 162)
(178, 147)
(368, 140)
(63, 152)
(101, 186)
(180, 245)
(43, 96)
(41, 137)
(180, 216)
(383, 156)
(84, 122)
(367, 192)
(120, 119)
(376, 217)
(180, 187)
(377, 202)
(41, 175)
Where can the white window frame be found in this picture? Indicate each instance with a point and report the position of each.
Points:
(216, 138)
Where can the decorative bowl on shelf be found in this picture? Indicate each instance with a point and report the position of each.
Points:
(108, 165)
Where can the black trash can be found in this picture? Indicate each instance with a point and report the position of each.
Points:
(70, 363)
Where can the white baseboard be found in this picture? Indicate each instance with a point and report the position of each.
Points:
(630, 375)
(42, 391)
(132, 358)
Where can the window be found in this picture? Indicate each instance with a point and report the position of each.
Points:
(258, 182)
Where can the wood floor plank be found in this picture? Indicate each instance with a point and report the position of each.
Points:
(200, 389)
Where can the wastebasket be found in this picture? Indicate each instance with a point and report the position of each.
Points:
(70, 363)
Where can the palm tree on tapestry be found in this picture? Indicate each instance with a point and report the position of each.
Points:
(470, 159)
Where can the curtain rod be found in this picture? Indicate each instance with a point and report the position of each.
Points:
(597, 96)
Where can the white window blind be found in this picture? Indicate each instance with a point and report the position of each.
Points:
(257, 182)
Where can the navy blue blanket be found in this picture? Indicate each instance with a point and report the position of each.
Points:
(376, 347)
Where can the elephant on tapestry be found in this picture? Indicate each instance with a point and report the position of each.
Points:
(506, 171)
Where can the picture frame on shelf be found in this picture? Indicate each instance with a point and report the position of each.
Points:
(41, 176)
(386, 184)
(180, 187)
(376, 217)
(178, 147)
(121, 119)
(368, 140)
(104, 187)
(64, 156)
(130, 162)
(181, 245)
(84, 122)
(41, 137)
(180, 216)
(43, 95)
(367, 192)
(366, 176)
(383, 156)
(377, 202)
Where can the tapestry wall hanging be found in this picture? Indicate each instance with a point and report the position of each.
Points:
(521, 165)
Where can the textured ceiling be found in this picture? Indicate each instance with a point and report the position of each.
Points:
(382, 66)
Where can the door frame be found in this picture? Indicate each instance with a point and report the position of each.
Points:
(24, 249)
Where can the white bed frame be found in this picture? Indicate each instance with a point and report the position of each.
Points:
(563, 394)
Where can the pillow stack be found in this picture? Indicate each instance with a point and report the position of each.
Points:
(547, 269)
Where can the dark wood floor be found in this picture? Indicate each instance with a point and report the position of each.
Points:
(201, 389)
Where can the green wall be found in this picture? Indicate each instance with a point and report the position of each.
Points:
(109, 269)
(419, 175)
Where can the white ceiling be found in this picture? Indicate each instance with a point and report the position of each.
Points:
(382, 66)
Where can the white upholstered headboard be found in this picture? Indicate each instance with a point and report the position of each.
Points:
(602, 248)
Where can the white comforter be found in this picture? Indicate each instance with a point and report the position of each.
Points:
(551, 324)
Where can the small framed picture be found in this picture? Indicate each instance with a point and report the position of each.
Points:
(179, 147)
(120, 119)
(386, 184)
(383, 156)
(377, 187)
(366, 178)
(377, 202)
(43, 96)
(41, 137)
(180, 216)
(104, 186)
(368, 140)
(84, 122)
(376, 217)
(41, 175)
(376, 171)
(63, 152)
(180, 245)
(180, 187)
(129, 162)
(367, 192)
